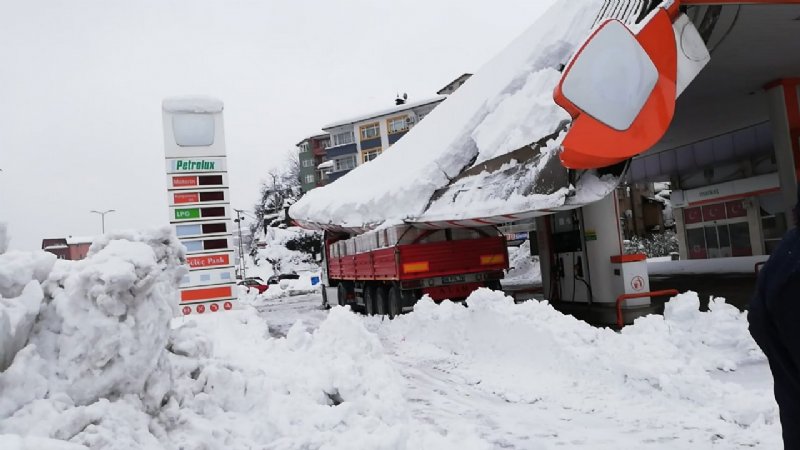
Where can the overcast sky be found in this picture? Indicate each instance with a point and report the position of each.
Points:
(81, 84)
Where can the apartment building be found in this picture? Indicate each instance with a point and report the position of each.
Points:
(358, 140)
(312, 154)
(361, 139)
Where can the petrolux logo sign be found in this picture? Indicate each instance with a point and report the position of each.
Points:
(189, 165)
(184, 165)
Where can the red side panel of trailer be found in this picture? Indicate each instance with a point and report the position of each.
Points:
(419, 261)
(452, 258)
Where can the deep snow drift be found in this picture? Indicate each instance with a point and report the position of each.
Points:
(506, 105)
(103, 365)
(88, 356)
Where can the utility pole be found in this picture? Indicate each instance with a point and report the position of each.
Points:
(103, 218)
(242, 265)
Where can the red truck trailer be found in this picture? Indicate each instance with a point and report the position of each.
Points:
(385, 271)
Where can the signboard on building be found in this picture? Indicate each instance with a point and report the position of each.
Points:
(730, 190)
(199, 203)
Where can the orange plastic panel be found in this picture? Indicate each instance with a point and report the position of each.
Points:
(591, 144)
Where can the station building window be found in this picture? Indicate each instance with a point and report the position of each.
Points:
(718, 230)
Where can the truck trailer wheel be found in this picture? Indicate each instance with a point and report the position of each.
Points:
(369, 299)
(341, 294)
(381, 300)
(395, 305)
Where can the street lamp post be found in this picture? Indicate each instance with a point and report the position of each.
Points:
(103, 218)
(243, 266)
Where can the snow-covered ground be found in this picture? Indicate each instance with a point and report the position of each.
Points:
(92, 359)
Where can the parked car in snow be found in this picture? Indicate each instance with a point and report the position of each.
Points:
(275, 279)
(254, 283)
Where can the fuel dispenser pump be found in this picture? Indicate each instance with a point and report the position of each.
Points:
(583, 265)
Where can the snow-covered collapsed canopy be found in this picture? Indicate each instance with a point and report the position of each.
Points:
(504, 107)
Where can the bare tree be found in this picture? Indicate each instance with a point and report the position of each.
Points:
(280, 187)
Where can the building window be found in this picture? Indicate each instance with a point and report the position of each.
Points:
(718, 230)
(397, 124)
(369, 155)
(370, 131)
(309, 178)
(304, 147)
(325, 144)
(344, 163)
(308, 162)
(343, 138)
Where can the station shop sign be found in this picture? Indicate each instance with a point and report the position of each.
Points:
(198, 197)
(211, 180)
(730, 190)
(209, 277)
(189, 213)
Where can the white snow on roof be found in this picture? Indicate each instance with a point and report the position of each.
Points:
(325, 165)
(74, 240)
(197, 104)
(503, 107)
(384, 112)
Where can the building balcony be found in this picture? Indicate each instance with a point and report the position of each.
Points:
(342, 150)
(333, 176)
(394, 137)
(371, 143)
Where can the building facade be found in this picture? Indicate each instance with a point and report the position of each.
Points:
(726, 195)
(361, 139)
(358, 140)
(312, 152)
(642, 209)
(71, 248)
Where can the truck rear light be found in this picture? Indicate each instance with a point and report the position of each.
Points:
(498, 258)
(416, 267)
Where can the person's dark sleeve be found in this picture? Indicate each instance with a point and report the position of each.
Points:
(785, 314)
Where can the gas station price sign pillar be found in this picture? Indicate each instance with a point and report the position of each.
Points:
(199, 201)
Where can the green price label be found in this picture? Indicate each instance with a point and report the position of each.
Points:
(190, 213)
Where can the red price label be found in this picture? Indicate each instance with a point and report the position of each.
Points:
(189, 197)
(184, 181)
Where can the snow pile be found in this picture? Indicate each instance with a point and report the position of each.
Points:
(3, 238)
(20, 298)
(94, 366)
(651, 383)
(524, 267)
(335, 388)
(503, 107)
(276, 258)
